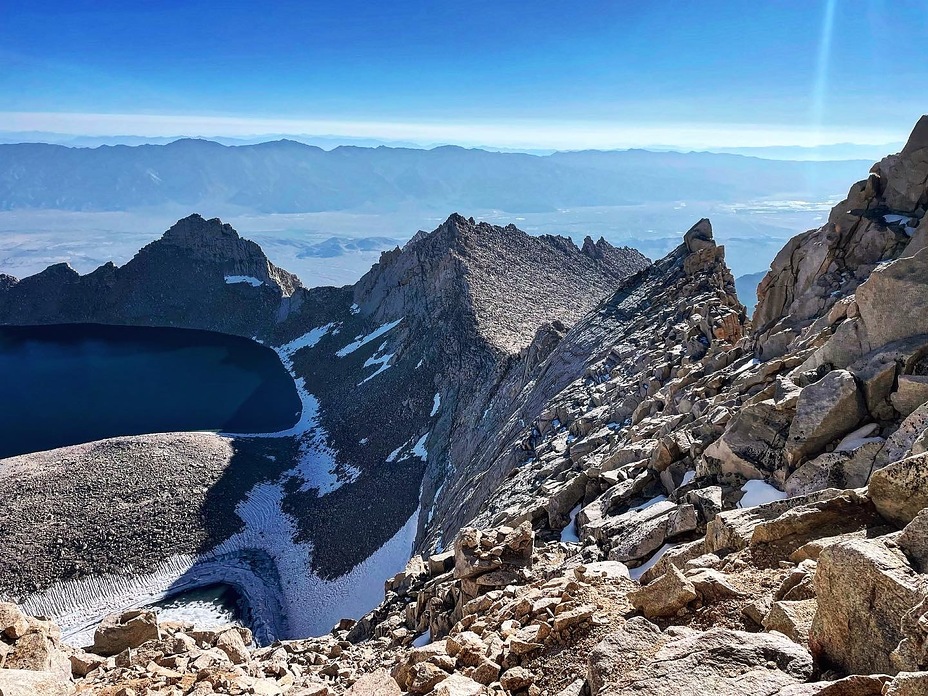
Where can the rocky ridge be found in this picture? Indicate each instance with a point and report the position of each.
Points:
(766, 485)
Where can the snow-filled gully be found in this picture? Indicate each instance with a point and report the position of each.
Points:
(263, 562)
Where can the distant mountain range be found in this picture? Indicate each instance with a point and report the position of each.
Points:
(835, 151)
(290, 177)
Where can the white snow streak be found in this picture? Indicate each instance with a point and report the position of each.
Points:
(757, 492)
(251, 280)
(569, 533)
(362, 340)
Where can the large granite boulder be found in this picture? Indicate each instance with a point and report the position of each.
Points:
(864, 589)
(665, 596)
(900, 491)
(720, 662)
(826, 410)
(126, 630)
(21, 682)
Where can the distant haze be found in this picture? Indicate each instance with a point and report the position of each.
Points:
(327, 214)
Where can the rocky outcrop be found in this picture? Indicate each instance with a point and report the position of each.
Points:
(900, 490)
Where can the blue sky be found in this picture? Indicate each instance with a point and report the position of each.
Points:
(542, 74)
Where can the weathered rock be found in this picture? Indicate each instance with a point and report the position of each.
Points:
(572, 617)
(900, 491)
(127, 630)
(682, 520)
(623, 652)
(459, 685)
(854, 685)
(908, 684)
(516, 678)
(865, 585)
(82, 663)
(799, 584)
(719, 662)
(752, 445)
(13, 623)
(734, 529)
(665, 596)
(699, 236)
(712, 585)
(792, 619)
(911, 392)
(839, 469)
(914, 541)
(639, 532)
(474, 550)
(602, 570)
(826, 410)
(425, 676)
(892, 299)
(378, 683)
(848, 511)
(20, 682)
(231, 643)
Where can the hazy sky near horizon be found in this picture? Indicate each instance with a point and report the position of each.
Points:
(704, 73)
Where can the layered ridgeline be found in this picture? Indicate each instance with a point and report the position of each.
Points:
(307, 522)
(665, 497)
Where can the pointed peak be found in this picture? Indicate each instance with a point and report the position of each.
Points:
(699, 236)
(589, 247)
(195, 227)
(919, 136)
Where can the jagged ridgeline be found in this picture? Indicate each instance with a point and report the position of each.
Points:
(613, 480)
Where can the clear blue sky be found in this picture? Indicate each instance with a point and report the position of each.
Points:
(780, 72)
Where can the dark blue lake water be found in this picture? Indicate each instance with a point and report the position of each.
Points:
(68, 384)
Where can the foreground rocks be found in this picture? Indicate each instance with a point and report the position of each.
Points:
(542, 622)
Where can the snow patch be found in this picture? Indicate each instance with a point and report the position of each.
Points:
(301, 604)
(418, 449)
(307, 340)
(436, 404)
(392, 457)
(569, 533)
(251, 280)
(757, 492)
(688, 477)
(636, 573)
(654, 501)
(354, 308)
(383, 361)
(858, 438)
(423, 640)
(363, 340)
